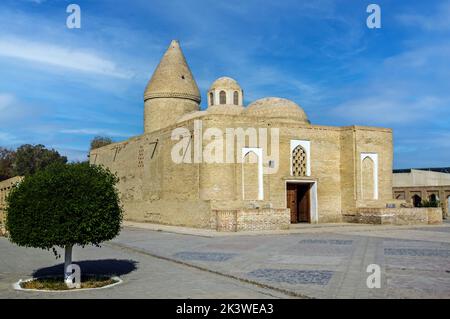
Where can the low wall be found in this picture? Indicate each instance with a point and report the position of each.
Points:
(395, 216)
(250, 219)
(5, 188)
(2, 223)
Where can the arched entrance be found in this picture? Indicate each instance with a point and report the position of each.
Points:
(417, 200)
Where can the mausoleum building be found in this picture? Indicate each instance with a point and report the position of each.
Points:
(233, 167)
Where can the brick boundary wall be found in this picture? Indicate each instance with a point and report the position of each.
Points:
(395, 216)
(250, 219)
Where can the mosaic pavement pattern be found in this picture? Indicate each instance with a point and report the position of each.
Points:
(293, 276)
(327, 241)
(192, 255)
(317, 264)
(416, 252)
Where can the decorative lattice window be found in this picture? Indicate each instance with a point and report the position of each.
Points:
(299, 161)
(223, 97)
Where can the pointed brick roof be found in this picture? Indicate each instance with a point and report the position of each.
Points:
(172, 77)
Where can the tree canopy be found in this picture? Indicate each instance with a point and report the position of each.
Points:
(100, 141)
(6, 163)
(31, 158)
(64, 205)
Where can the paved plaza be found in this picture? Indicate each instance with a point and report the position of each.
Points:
(318, 262)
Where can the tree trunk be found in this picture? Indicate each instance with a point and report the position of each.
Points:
(67, 262)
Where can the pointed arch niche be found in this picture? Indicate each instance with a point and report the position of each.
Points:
(369, 176)
(260, 191)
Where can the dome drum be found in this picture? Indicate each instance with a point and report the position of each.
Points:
(225, 91)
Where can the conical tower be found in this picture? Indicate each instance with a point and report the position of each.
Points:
(171, 92)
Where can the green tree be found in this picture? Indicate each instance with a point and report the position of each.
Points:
(31, 158)
(430, 203)
(6, 163)
(100, 141)
(62, 206)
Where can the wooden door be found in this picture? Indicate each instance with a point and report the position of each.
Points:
(304, 203)
(292, 201)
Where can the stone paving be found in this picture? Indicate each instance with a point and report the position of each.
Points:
(189, 255)
(143, 276)
(291, 276)
(320, 262)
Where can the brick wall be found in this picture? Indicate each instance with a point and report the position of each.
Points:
(395, 216)
(250, 219)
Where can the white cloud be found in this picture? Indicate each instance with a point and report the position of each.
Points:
(94, 131)
(73, 154)
(68, 58)
(7, 139)
(12, 109)
(439, 21)
(389, 109)
(6, 100)
(410, 88)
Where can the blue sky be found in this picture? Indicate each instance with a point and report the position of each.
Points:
(60, 87)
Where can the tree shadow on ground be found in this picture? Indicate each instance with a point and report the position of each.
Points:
(110, 267)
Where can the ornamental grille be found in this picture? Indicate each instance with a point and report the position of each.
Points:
(299, 161)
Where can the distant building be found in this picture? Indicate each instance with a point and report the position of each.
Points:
(417, 185)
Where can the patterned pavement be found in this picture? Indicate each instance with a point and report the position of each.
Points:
(320, 263)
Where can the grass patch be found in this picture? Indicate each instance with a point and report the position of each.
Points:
(57, 283)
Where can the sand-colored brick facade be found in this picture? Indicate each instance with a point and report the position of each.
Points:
(342, 169)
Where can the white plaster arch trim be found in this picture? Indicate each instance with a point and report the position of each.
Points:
(259, 154)
(307, 147)
(374, 158)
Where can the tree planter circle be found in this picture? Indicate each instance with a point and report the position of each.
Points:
(18, 285)
(62, 206)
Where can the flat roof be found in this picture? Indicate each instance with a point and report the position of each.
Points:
(431, 169)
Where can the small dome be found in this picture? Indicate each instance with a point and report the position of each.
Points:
(276, 107)
(225, 91)
(225, 83)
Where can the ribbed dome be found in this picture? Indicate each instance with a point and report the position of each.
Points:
(172, 77)
(225, 83)
(276, 107)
